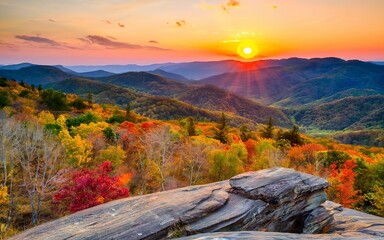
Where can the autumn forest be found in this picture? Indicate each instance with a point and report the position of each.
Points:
(61, 153)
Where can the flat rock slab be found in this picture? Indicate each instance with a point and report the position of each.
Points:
(276, 199)
(254, 235)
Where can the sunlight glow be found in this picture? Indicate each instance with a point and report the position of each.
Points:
(247, 50)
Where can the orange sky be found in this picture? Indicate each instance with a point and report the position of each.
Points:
(152, 31)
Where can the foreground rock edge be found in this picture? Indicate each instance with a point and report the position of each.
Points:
(277, 199)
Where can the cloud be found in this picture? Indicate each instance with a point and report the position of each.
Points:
(181, 23)
(121, 25)
(103, 41)
(44, 41)
(225, 7)
(51, 20)
(107, 21)
(9, 46)
(153, 42)
(35, 39)
(233, 3)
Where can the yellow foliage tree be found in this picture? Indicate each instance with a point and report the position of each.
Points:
(84, 130)
(4, 195)
(46, 117)
(114, 154)
(79, 151)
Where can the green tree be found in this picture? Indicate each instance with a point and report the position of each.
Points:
(79, 104)
(4, 99)
(55, 100)
(267, 132)
(90, 98)
(110, 135)
(221, 131)
(293, 136)
(245, 133)
(3, 82)
(191, 128)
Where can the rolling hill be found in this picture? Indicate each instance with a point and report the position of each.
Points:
(205, 96)
(351, 113)
(146, 82)
(36, 74)
(158, 107)
(302, 82)
(214, 98)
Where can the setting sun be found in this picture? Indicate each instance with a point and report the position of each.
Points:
(247, 50)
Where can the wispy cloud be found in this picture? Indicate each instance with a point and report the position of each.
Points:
(44, 41)
(9, 46)
(51, 20)
(121, 25)
(233, 3)
(225, 6)
(36, 39)
(153, 41)
(108, 43)
(180, 23)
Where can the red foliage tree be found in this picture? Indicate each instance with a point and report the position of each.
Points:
(342, 184)
(87, 188)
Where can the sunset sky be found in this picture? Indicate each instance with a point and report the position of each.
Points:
(90, 32)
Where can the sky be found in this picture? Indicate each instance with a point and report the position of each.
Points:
(94, 32)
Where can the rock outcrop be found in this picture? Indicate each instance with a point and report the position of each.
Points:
(273, 200)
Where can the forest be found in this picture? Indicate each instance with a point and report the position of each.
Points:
(61, 153)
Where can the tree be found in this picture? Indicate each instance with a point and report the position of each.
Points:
(293, 136)
(159, 146)
(31, 157)
(342, 182)
(114, 154)
(55, 100)
(79, 104)
(40, 157)
(194, 153)
(78, 150)
(226, 163)
(245, 133)
(90, 99)
(4, 99)
(3, 82)
(221, 131)
(87, 188)
(307, 155)
(267, 132)
(128, 113)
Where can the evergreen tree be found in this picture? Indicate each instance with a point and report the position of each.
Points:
(191, 126)
(245, 133)
(128, 116)
(267, 132)
(221, 132)
(90, 98)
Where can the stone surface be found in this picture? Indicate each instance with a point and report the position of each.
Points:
(254, 235)
(348, 221)
(334, 222)
(273, 200)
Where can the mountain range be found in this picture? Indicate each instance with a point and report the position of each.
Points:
(319, 94)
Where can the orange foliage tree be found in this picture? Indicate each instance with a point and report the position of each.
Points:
(342, 183)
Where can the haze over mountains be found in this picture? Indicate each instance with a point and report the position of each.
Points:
(320, 94)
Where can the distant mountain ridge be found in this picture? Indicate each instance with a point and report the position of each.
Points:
(319, 94)
(303, 82)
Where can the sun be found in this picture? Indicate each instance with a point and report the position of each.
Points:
(247, 50)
